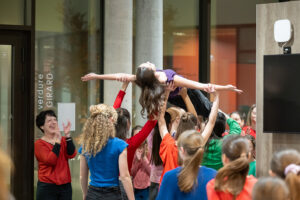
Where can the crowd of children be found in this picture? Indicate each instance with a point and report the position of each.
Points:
(177, 154)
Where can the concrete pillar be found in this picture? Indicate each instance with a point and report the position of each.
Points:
(118, 48)
(148, 42)
(93, 33)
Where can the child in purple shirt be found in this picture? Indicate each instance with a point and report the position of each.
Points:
(153, 82)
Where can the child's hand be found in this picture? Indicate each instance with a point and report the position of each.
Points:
(67, 129)
(210, 88)
(138, 154)
(233, 88)
(247, 132)
(88, 77)
(57, 135)
(183, 92)
(170, 86)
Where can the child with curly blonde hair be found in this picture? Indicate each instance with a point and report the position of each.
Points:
(104, 155)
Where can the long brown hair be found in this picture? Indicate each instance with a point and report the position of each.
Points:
(98, 128)
(279, 162)
(293, 182)
(231, 178)
(153, 92)
(188, 121)
(249, 120)
(192, 143)
(122, 123)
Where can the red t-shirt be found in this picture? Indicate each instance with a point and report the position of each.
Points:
(53, 169)
(252, 131)
(245, 194)
(168, 153)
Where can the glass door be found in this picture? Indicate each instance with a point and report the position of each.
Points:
(5, 103)
(16, 122)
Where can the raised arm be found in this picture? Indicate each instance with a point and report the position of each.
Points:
(234, 127)
(118, 77)
(163, 130)
(212, 118)
(120, 96)
(183, 82)
(71, 150)
(189, 105)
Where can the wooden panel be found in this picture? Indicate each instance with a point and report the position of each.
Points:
(266, 15)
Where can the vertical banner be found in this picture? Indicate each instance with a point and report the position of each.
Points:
(66, 112)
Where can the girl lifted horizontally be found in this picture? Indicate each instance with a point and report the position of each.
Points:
(153, 82)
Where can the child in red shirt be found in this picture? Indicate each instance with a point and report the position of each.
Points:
(141, 169)
(232, 181)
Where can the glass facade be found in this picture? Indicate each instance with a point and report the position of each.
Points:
(181, 37)
(232, 51)
(69, 43)
(5, 99)
(67, 46)
(15, 12)
(12, 18)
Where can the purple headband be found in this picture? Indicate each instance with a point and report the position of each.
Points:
(292, 168)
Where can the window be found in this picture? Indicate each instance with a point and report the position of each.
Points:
(68, 45)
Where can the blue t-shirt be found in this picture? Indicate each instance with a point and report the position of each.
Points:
(169, 189)
(104, 167)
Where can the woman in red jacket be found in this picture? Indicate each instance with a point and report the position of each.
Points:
(52, 152)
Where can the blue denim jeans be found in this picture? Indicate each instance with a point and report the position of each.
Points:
(153, 190)
(141, 194)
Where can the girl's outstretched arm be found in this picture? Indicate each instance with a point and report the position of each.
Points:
(183, 82)
(163, 130)
(212, 118)
(118, 77)
(120, 96)
(188, 103)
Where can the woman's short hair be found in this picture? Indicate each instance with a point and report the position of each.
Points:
(41, 117)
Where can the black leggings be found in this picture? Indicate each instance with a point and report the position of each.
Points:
(103, 193)
(48, 191)
(199, 100)
(153, 190)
